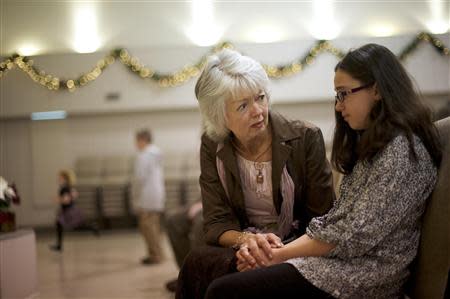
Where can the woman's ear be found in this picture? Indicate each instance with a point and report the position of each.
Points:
(375, 91)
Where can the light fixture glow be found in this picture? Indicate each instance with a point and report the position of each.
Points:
(326, 31)
(438, 26)
(203, 32)
(86, 38)
(204, 35)
(28, 50)
(265, 34)
(438, 23)
(49, 115)
(323, 25)
(382, 30)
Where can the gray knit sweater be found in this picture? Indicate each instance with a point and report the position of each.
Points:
(375, 224)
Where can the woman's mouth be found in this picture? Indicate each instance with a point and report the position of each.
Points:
(258, 125)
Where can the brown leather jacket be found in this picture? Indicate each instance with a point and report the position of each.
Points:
(298, 145)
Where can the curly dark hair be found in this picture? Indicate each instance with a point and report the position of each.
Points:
(400, 110)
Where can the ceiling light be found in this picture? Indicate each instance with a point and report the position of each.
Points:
(323, 25)
(265, 34)
(438, 27)
(381, 30)
(86, 38)
(438, 23)
(203, 32)
(28, 50)
(326, 31)
(204, 35)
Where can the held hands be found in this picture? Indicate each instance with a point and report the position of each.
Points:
(258, 250)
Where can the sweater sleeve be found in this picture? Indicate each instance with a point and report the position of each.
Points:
(396, 186)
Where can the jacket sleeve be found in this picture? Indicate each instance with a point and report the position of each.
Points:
(217, 213)
(319, 180)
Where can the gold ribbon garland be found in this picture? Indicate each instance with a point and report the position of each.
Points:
(189, 71)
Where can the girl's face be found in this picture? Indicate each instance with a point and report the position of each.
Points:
(356, 100)
(61, 180)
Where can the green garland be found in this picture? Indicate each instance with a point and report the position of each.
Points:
(189, 71)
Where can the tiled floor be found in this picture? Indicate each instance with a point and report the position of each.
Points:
(104, 267)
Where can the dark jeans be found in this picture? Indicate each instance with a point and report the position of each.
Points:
(184, 233)
(278, 281)
(201, 266)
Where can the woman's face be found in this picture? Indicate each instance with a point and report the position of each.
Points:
(356, 106)
(247, 115)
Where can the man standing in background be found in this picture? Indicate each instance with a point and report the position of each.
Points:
(149, 194)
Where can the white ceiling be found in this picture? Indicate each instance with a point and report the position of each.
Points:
(49, 26)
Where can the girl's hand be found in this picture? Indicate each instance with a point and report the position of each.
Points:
(257, 250)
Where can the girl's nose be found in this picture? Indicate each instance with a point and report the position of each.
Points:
(339, 106)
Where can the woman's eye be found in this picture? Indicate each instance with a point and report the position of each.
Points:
(242, 107)
(261, 97)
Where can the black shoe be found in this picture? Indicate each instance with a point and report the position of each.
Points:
(171, 286)
(95, 230)
(150, 261)
(56, 247)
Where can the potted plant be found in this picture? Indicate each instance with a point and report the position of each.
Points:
(8, 195)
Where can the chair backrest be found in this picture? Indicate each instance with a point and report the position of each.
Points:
(430, 272)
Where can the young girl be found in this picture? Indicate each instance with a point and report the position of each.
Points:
(69, 216)
(387, 147)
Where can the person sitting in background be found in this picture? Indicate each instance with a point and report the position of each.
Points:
(263, 177)
(185, 231)
(387, 146)
(69, 216)
(149, 194)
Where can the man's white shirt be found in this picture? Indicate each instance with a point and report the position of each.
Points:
(148, 180)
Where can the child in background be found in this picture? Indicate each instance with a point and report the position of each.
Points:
(69, 215)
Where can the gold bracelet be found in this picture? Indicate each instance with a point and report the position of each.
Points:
(240, 240)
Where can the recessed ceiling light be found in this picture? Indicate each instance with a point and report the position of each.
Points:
(323, 25)
(380, 30)
(204, 31)
(28, 50)
(266, 33)
(86, 39)
(438, 26)
(438, 23)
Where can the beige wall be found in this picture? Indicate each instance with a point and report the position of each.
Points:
(31, 153)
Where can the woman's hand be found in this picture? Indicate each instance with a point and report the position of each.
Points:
(256, 250)
(242, 264)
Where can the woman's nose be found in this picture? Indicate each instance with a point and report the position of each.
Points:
(256, 109)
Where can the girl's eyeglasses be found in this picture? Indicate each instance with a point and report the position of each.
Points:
(341, 94)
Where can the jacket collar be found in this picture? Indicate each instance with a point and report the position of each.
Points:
(282, 131)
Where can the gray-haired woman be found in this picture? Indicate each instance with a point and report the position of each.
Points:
(263, 177)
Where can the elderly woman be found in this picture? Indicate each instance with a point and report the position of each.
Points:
(263, 177)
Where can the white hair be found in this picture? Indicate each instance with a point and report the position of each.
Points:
(227, 75)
